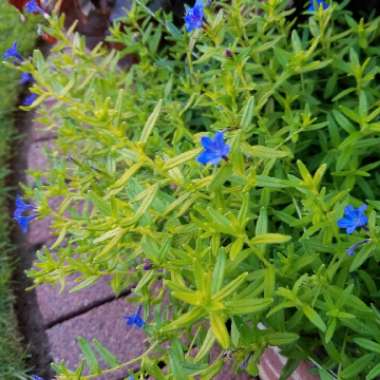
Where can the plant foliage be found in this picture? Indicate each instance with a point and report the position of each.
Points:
(245, 254)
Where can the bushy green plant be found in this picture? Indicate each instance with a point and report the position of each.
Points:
(246, 253)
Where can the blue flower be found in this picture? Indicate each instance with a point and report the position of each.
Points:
(12, 52)
(319, 3)
(135, 319)
(194, 16)
(351, 251)
(214, 149)
(32, 7)
(26, 78)
(131, 377)
(19, 214)
(353, 218)
(29, 100)
(35, 377)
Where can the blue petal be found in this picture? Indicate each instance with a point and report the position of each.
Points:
(21, 204)
(207, 143)
(344, 223)
(219, 140)
(226, 150)
(139, 322)
(26, 78)
(363, 220)
(29, 100)
(350, 211)
(209, 157)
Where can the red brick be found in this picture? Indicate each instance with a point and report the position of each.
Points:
(37, 158)
(43, 126)
(55, 305)
(271, 365)
(40, 230)
(104, 323)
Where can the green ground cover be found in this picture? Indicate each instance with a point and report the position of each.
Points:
(12, 365)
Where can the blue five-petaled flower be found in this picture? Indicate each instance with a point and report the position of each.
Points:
(26, 78)
(135, 319)
(214, 149)
(319, 3)
(32, 7)
(353, 218)
(24, 214)
(12, 52)
(194, 16)
(29, 100)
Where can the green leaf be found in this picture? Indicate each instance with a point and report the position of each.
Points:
(116, 187)
(230, 287)
(248, 305)
(281, 338)
(89, 356)
(150, 193)
(263, 152)
(361, 256)
(218, 273)
(368, 344)
(324, 375)
(176, 360)
(151, 122)
(269, 281)
(110, 359)
(236, 247)
(373, 373)
(357, 366)
(314, 317)
(219, 222)
(270, 239)
(290, 366)
(219, 330)
(185, 319)
(271, 182)
(181, 158)
(206, 346)
(247, 113)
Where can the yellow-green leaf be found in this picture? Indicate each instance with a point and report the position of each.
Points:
(270, 239)
(219, 330)
(151, 122)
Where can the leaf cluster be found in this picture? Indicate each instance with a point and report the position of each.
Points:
(246, 254)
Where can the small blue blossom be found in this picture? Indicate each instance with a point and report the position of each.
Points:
(135, 319)
(214, 149)
(35, 377)
(26, 78)
(353, 218)
(19, 214)
(351, 251)
(194, 16)
(12, 52)
(319, 3)
(131, 377)
(29, 100)
(32, 7)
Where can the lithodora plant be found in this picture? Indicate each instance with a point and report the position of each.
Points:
(230, 175)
